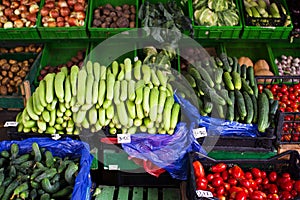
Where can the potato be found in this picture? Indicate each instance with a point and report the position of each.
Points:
(11, 61)
(5, 67)
(3, 61)
(14, 68)
(3, 90)
(5, 81)
(22, 73)
(4, 73)
(18, 49)
(10, 75)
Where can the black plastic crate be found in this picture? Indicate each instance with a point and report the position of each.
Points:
(241, 143)
(287, 126)
(120, 171)
(286, 162)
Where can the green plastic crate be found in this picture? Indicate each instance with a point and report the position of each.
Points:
(59, 53)
(278, 49)
(255, 51)
(19, 33)
(259, 32)
(233, 155)
(216, 32)
(17, 100)
(62, 32)
(109, 50)
(96, 32)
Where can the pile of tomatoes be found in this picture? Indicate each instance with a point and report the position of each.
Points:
(289, 101)
(233, 183)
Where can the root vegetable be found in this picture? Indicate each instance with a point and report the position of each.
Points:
(122, 22)
(5, 81)
(3, 90)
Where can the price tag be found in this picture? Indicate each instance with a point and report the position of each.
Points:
(55, 136)
(123, 138)
(113, 167)
(200, 132)
(203, 193)
(10, 124)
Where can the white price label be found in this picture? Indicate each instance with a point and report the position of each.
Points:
(113, 167)
(203, 193)
(123, 138)
(200, 132)
(10, 124)
(55, 136)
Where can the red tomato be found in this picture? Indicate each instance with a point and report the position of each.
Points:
(258, 181)
(225, 175)
(258, 195)
(232, 181)
(292, 96)
(265, 181)
(273, 189)
(201, 183)
(288, 109)
(263, 174)
(236, 172)
(220, 190)
(296, 86)
(234, 190)
(227, 186)
(217, 182)
(256, 172)
(284, 98)
(198, 169)
(291, 89)
(273, 197)
(284, 88)
(286, 186)
(294, 193)
(219, 167)
(244, 182)
(297, 186)
(248, 175)
(260, 88)
(253, 184)
(217, 175)
(285, 195)
(241, 195)
(272, 176)
(209, 177)
(286, 175)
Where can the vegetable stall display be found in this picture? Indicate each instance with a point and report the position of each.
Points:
(123, 96)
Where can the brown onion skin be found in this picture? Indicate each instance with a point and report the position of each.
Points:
(44, 11)
(50, 5)
(64, 11)
(78, 7)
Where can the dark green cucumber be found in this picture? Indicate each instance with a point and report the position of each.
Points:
(9, 190)
(5, 154)
(2, 175)
(249, 108)
(206, 76)
(220, 111)
(201, 107)
(36, 151)
(230, 61)
(14, 150)
(250, 76)
(33, 194)
(243, 71)
(240, 102)
(230, 108)
(213, 63)
(255, 89)
(246, 87)
(223, 58)
(228, 81)
(194, 73)
(235, 64)
(255, 111)
(208, 106)
(236, 79)
(218, 74)
(274, 107)
(224, 94)
(268, 93)
(21, 159)
(204, 87)
(2, 189)
(35, 185)
(263, 112)
(64, 192)
(12, 171)
(46, 174)
(49, 159)
(48, 187)
(70, 173)
(24, 186)
(190, 80)
(45, 196)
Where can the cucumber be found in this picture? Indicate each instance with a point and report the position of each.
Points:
(246, 87)
(235, 64)
(14, 150)
(220, 110)
(49, 159)
(250, 76)
(255, 112)
(224, 94)
(230, 60)
(36, 151)
(268, 93)
(230, 108)
(10, 188)
(223, 58)
(49, 173)
(63, 192)
(47, 187)
(237, 82)
(208, 106)
(249, 108)
(190, 80)
(219, 62)
(263, 112)
(194, 73)
(45, 196)
(205, 76)
(21, 159)
(243, 71)
(218, 74)
(240, 102)
(274, 107)
(228, 81)
(70, 172)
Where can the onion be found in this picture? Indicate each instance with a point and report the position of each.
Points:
(3, 19)
(2, 7)
(72, 21)
(34, 8)
(60, 19)
(24, 2)
(7, 4)
(51, 19)
(1, 13)
(64, 11)
(80, 23)
(71, 2)
(31, 17)
(78, 7)
(67, 18)
(8, 12)
(80, 15)
(51, 24)
(18, 23)
(24, 14)
(22, 8)
(13, 17)
(14, 5)
(45, 19)
(17, 12)
(62, 3)
(50, 5)
(8, 25)
(81, 1)
(54, 13)
(44, 11)
(60, 24)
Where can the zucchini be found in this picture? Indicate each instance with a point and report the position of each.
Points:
(81, 87)
(123, 91)
(146, 100)
(59, 86)
(122, 113)
(167, 112)
(137, 70)
(128, 68)
(153, 103)
(174, 115)
(249, 108)
(73, 79)
(49, 78)
(154, 78)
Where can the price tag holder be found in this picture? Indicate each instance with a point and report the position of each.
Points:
(200, 132)
(204, 193)
(55, 136)
(123, 138)
(113, 167)
(11, 124)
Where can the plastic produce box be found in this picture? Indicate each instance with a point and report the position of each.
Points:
(226, 154)
(17, 100)
(98, 32)
(63, 148)
(285, 162)
(72, 32)
(216, 32)
(119, 170)
(254, 28)
(255, 51)
(55, 54)
(277, 50)
(19, 33)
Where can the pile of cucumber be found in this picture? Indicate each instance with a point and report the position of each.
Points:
(124, 96)
(229, 91)
(36, 175)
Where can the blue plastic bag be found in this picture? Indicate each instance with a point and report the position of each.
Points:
(216, 126)
(63, 148)
(169, 152)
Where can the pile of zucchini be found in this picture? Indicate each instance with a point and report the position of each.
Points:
(36, 174)
(124, 96)
(229, 91)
